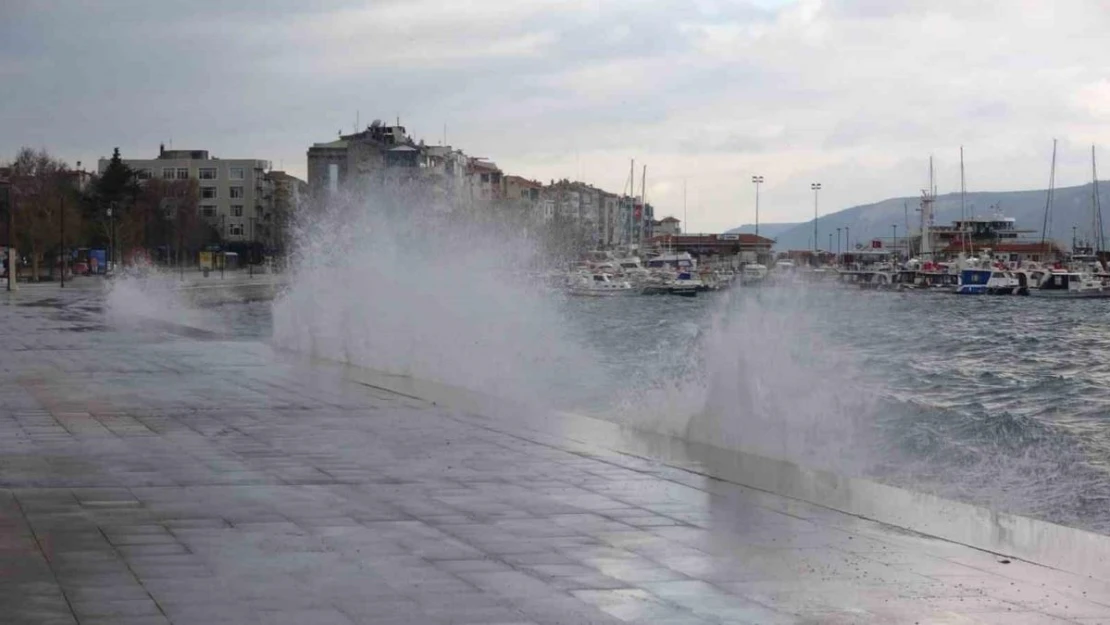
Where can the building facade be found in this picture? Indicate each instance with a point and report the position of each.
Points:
(234, 195)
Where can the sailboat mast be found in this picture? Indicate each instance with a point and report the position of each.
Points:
(643, 205)
(632, 199)
(927, 198)
(1046, 226)
(685, 222)
(963, 203)
(1100, 235)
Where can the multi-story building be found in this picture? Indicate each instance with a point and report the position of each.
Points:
(234, 194)
(289, 193)
(360, 158)
(668, 226)
(483, 180)
(526, 196)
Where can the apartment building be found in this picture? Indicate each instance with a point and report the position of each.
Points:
(235, 195)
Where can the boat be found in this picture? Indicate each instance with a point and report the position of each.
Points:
(1070, 285)
(685, 284)
(987, 282)
(752, 274)
(598, 285)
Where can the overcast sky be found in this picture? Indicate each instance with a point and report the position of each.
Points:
(855, 94)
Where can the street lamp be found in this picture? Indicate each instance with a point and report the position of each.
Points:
(757, 180)
(816, 186)
(847, 239)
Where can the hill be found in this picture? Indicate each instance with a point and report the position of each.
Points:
(1071, 207)
(766, 230)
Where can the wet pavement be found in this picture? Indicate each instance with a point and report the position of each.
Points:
(155, 474)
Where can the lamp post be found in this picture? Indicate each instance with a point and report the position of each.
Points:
(223, 255)
(816, 186)
(838, 244)
(11, 236)
(111, 242)
(847, 239)
(757, 180)
(62, 237)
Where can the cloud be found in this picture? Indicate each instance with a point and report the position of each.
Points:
(855, 94)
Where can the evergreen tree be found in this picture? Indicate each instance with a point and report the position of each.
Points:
(119, 182)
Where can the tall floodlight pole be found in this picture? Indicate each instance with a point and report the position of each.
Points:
(816, 186)
(757, 180)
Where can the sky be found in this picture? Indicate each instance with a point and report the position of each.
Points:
(854, 94)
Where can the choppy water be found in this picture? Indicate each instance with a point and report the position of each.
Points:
(998, 401)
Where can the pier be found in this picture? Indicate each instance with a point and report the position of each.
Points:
(153, 473)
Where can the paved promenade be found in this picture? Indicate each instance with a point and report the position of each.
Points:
(154, 475)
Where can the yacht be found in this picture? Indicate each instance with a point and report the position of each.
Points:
(753, 273)
(598, 285)
(1070, 285)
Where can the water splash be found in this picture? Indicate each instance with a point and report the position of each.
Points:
(408, 290)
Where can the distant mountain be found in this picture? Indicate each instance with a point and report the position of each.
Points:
(765, 230)
(1071, 207)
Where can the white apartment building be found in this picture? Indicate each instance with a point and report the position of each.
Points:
(234, 194)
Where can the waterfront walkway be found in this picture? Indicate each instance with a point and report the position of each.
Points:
(153, 474)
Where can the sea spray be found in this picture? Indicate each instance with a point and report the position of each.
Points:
(761, 377)
(403, 288)
(143, 292)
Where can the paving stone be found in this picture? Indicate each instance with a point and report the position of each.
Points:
(200, 480)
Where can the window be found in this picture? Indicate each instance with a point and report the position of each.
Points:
(237, 230)
(182, 173)
(208, 211)
(236, 210)
(168, 173)
(236, 173)
(236, 193)
(485, 177)
(143, 174)
(208, 193)
(206, 173)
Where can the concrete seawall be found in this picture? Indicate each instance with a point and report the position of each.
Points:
(1014, 536)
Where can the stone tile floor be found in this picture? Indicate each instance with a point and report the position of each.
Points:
(152, 476)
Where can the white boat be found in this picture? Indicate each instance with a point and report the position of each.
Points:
(1070, 285)
(753, 273)
(686, 284)
(598, 285)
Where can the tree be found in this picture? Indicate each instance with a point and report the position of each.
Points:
(42, 191)
(116, 188)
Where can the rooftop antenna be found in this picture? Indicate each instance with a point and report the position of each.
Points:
(444, 133)
(356, 119)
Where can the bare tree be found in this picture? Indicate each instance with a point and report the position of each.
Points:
(43, 194)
